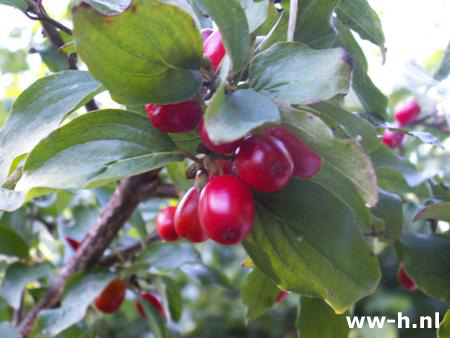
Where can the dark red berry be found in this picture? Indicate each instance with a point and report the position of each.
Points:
(206, 32)
(223, 148)
(226, 209)
(264, 163)
(187, 222)
(306, 162)
(281, 296)
(392, 139)
(153, 299)
(404, 280)
(111, 297)
(74, 244)
(407, 113)
(175, 118)
(165, 224)
(214, 49)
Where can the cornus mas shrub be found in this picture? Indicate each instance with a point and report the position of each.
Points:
(232, 163)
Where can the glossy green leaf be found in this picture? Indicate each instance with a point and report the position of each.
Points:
(19, 4)
(444, 327)
(425, 259)
(345, 157)
(256, 11)
(258, 293)
(11, 244)
(17, 276)
(96, 148)
(80, 292)
(151, 52)
(231, 19)
(231, 117)
(360, 17)
(438, 211)
(293, 73)
(188, 141)
(274, 28)
(390, 209)
(9, 331)
(311, 252)
(39, 110)
(174, 298)
(53, 59)
(318, 320)
(314, 23)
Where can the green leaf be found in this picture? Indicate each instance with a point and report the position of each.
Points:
(11, 244)
(19, 4)
(258, 293)
(188, 141)
(345, 157)
(294, 73)
(96, 148)
(151, 52)
(80, 292)
(360, 17)
(176, 173)
(154, 319)
(256, 12)
(371, 98)
(39, 110)
(426, 261)
(205, 274)
(17, 276)
(318, 320)
(314, 23)
(438, 211)
(168, 256)
(53, 59)
(306, 241)
(444, 68)
(8, 330)
(231, 117)
(232, 22)
(110, 7)
(444, 327)
(174, 298)
(390, 209)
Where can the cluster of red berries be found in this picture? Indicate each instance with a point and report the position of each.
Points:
(406, 115)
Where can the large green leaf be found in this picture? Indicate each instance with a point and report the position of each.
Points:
(17, 276)
(19, 4)
(438, 211)
(426, 260)
(256, 11)
(96, 148)
(258, 293)
(444, 327)
(231, 117)
(390, 209)
(360, 17)
(39, 110)
(292, 72)
(231, 19)
(151, 52)
(80, 292)
(345, 157)
(11, 244)
(307, 241)
(317, 320)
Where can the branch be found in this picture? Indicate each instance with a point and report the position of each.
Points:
(292, 20)
(127, 196)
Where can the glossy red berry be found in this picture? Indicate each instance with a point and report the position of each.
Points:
(175, 118)
(392, 139)
(264, 163)
(187, 222)
(153, 299)
(306, 162)
(206, 32)
(281, 296)
(74, 244)
(165, 224)
(407, 113)
(214, 49)
(223, 148)
(226, 209)
(111, 297)
(404, 280)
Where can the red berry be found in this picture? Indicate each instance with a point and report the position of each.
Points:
(226, 209)
(392, 139)
(214, 49)
(306, 162)
(165, 224)
(206, 32)
(187, 223)
(407, 113)
(111, 297)
(404, 280)
(281, 296)
(223, 148)
(264, 163)
(153, 299)
(74, 244)
(175, 118)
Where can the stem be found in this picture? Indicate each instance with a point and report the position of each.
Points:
(192, 157)
(292, 20)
